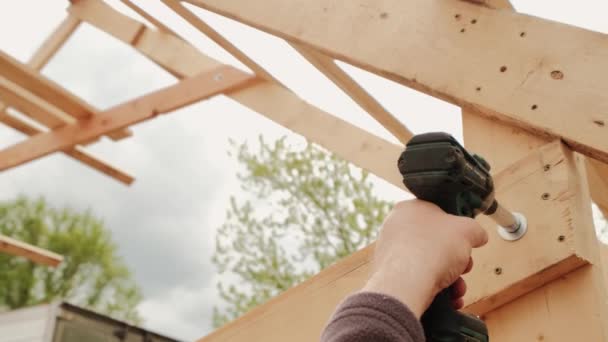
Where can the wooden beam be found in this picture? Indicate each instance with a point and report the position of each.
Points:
(33, 253)
(367, 102)
(267, 98)
(31, 105)
(28, 78)
(531, 78)
(38, 60)
(77, 152)
(188, 91)
(55, 41)
(150, 18)
(212, 34)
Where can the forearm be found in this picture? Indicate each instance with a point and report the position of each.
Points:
(368, 316)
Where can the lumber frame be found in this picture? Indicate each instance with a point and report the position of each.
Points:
(208, 84)
(28, 78)
(40, 58)
(527, 93)
(33, 253)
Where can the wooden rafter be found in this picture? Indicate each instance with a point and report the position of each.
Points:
(33, 253)
(28, 78)
(40, 58)
(269, 99)
(188, 91)
(351, 88)
(77, 152)
(533, 88)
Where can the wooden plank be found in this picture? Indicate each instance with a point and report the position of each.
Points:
(367, 102)
(281, 105)
(33, 253)
(188, 91)
(28, 78)
(31, 105)
(526, 264)
(202, 26)
(579, 298)
(151, 19)
(55, 41)
(531, 78)
(170, 52)
(76, 152)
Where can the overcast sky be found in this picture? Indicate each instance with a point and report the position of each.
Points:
(165, 222)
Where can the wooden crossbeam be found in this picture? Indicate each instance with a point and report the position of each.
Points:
(366, 101)
(220, 40)
(76, 152)
(38, 60)
(188, 91)
(31, 105)
(269, 99)
(151, 19)
(28, 78)
(531, 78)
(33, 253)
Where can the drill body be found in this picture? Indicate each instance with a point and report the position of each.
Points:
(436, 168)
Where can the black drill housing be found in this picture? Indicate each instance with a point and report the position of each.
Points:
(436, 168)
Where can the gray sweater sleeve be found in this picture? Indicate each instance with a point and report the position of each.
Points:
(372, 317)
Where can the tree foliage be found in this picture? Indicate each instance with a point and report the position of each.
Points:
(92, 274)
(299, 210)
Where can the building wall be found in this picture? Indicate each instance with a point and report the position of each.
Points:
(25, 325)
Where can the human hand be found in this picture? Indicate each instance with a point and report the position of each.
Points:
(422, 250)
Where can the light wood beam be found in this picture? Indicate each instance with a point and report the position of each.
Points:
(212, 34)
(367, 102)
(151, 19)
(33, 253)
(267, 98)
(28, 78)
(55, 41)
(38, 60)
(531, 78)
(76, 152)
(31, 105)
(188, 91)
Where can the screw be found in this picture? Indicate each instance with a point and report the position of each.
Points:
(547, 167)
(561, 238)
(498, 270)
(218, 77)
(534, 107)
(545, 196)
(503, 68)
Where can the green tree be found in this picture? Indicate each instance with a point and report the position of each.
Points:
(92, 274)
(299, 210)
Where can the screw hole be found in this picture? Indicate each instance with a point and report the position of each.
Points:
(534, 107)
(557, 75)
(547, 167)
(498, 270)
(503, 68)
(561, 238)
(462, 30)
(474, 21)
(478, 88)
(383, 15)
(522, 34)
(457, 16)
(545, 196)
(600, 123)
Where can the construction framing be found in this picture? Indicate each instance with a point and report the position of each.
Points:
(536, 86)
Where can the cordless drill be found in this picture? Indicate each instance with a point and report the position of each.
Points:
(436, 168)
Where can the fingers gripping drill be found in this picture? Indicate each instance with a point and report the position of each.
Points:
(436, 168)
